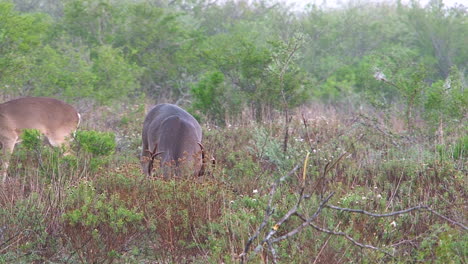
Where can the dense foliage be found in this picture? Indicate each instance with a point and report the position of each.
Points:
(225, 57)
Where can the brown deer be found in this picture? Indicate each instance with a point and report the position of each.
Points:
(175, 136)
(53, 118)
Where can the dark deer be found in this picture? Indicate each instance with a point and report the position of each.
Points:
(53, 118)
(173, 136)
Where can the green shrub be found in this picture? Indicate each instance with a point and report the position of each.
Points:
(443, 245)
(96, 143)
(99, 224)
(214, 98)
(460, 150)
(181, 229)
(24, 230)
(31, 139)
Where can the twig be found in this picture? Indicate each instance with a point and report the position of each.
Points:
(350, 239)
(20, 234)
(309, 140)
(306, 223)
(415, 208)
(268, 238)
(376, 126)
(286, 216)
(324, 244)
(446, 218)
(329, 167)
(273, 251)
(394, 192)
(344, 235)
(268, 212)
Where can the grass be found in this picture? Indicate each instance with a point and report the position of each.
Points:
(97, 207)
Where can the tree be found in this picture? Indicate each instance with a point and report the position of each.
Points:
(287, 84)
(439, 33)
(212, 96)
(447, 101)
(20, 36)
(115, 77)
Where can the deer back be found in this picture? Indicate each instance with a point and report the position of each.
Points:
(42, 113)
(174, 134)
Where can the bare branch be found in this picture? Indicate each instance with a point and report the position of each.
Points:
(268, 212)
(360, 211)
(415, 208)
(342, 234)
(329, 166)
(306, 223)
(273, 252)
(350, 239)
(446, 218)
(309, 140)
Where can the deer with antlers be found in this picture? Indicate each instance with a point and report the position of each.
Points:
(173, 136)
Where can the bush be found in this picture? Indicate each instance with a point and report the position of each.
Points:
(182, 228)
(98, 147)
(98, 225)
(214, 98)
(460, 150)
(96, 143)
(31, 139)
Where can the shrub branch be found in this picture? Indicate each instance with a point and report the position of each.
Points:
(415, 208)
(268, 212)
(269, 240)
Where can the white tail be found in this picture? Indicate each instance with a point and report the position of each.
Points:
(171, 134)
(53, 118)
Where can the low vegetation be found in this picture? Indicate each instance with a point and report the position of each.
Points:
(97, 207)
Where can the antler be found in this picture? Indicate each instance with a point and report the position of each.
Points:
(153, 154)
(202, 151)
(202, 169)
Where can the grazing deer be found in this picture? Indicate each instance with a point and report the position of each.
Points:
(53, 118)
(174, 135)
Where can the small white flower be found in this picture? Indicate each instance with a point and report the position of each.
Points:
(379, 196)
(393, 224)
(255, 191)
(364, 198)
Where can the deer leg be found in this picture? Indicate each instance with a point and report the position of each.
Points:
(7, 148)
